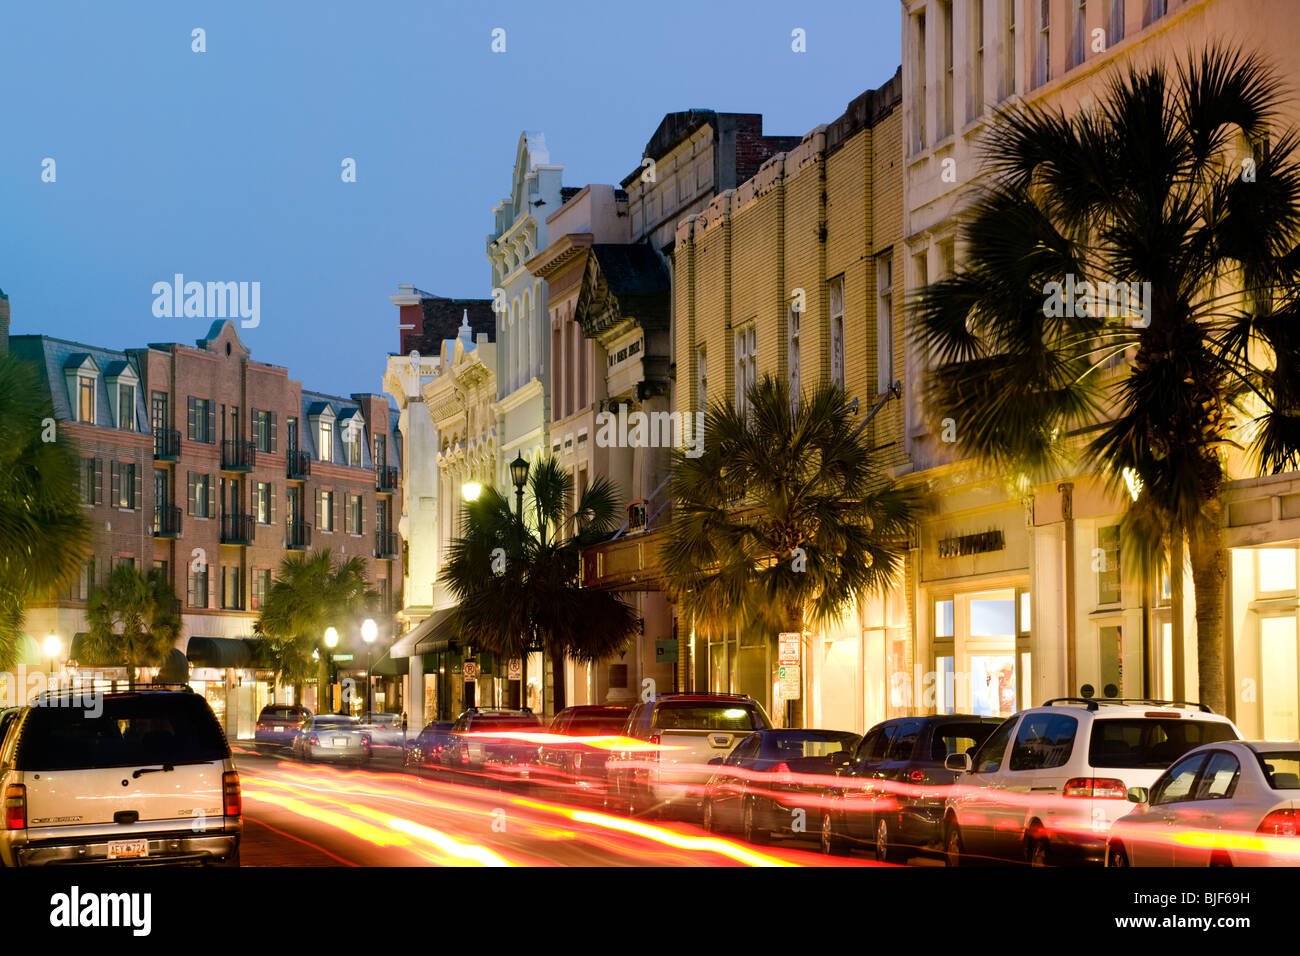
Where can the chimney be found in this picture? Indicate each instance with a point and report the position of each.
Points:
(4, 323)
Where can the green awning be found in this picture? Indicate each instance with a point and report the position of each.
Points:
(227, 652)
(388, 666)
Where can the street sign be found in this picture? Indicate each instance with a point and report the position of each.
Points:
(470, 670)
(788, 677)
(342, 657)
(515, 668)
(666, 652)
(790, 646)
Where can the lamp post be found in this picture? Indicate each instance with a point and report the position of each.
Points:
(53, 648)
(471, 490)
(368, 632)
(519, 475)
(331, 642)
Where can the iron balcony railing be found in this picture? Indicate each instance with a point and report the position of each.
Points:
(299, 467)
(297, 535)
(386, 544)
(166, 444)
(387, 478)
(237, 529)
(166, 521)
(238, 455)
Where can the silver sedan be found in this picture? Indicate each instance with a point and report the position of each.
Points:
(334, 738)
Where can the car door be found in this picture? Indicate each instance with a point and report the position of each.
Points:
(1201, 820)
(859, 797)
(892, 770)
(978, 794)
(1149, 834)
(733, 784)
(1033, 781)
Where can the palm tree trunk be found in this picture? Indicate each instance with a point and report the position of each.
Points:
(557, 680)
(1209, 573)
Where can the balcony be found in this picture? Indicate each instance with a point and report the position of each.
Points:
(166, 521)
(166, 444)
(299, 467)
(387, 478)
(386, 545)
(238, 455)
(237, 529)
(629, 563)
(297, 535)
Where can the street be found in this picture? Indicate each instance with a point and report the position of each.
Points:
(314, 815)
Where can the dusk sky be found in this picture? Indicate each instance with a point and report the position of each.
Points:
(225, 165)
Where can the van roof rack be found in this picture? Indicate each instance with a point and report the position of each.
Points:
(1094, 703)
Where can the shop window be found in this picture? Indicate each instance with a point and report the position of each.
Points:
(1105, 562)
(943, 618)
(1278, 685)
(1111, 656)
(1276, 570)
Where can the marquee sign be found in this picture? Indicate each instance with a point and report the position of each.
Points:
(956, 546)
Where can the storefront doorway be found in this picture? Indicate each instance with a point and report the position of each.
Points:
(981, 650)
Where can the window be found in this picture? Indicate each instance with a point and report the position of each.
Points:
(1281, 769)
(957, 739)
(325, 445)
(291, 424)
(1277, 570)
(353, 436)
(264, 428)
(1106, 565)
(702, 380)
(261, 586)
(354, 519)
(875, 745)
(919, 104)
(976, 105)
(199, 495)
(86, 399)
(746, 364)
(836, 299)
(124, 490)
(1219, 779)
(198, 587)
(264, 503)
(158, 411)
(232, 597)
(86, 581)
(1043, 60)
(904, 740)
(201, 420)
(943, 618)
(86, 480)
(1009, 50)
(1155, 9)
(946, 103)
(1079, 41)
(1150, 743)
(989, 757)
(792, 352)
(1176, 784)
(126, 407)
(884, 322)
(1043, 741)
(747, 750)
(381, 451)
(325, 512)
(1115, 28)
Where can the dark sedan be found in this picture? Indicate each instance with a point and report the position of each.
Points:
(425, 750)
(762, 786)
(277, 724)
(487, 740)
(902, 813)
(578, 765)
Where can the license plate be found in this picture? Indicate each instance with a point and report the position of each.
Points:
(340, 741)
(124, 849)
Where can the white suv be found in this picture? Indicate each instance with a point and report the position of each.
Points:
(1045, 787)
(137, 777)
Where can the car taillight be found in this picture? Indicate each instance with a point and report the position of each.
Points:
(464, 755)
(15, 807)
(782, 767)
(917, 776)
(1101, 788)
(654, 741)
(230, 787)
(365, 739)
(1280, 823)
(313, 740)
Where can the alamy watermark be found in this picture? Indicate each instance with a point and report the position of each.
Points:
(651, 430)
(1129, 302)
(40, 689)
(217, 300)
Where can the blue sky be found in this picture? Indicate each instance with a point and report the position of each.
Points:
(225, 165)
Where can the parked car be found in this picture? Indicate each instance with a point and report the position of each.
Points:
(1047, 784)
(1230, 803)
(473, 746)
(905, 813)
(387, 731)
(278, 724)
(333, 738)
(576, 764)
(426, 748)
(761, 784)
(677, 735)
(146, 778)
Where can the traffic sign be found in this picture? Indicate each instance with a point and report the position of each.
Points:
(790, 685)
(790, 648)
(470, 670)
(515, 668)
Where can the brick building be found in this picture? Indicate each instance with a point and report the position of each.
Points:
(212, 466)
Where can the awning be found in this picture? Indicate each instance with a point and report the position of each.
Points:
(389, 666)
(227, 652)
(426, 636)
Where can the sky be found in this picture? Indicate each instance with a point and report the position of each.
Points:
(226, 165)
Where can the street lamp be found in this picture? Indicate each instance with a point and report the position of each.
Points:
(368, 633)
(53, 648)
(519, 475)
(471, 490)
(331, 642)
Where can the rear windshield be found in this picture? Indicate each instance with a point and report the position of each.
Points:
(1150, 743)
(596, 726)
(796, 745)
(960, 738)
(1281, 769)
(690, 715)
(280, 713)
(509, 724)
(132, 731)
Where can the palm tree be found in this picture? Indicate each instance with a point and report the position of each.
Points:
(532, 601)
(44, 532)
(785, 520)
(133, 619)
(309, 594)
(1170, 180)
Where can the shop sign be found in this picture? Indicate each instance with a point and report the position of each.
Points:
(787, 676)
(956, 546)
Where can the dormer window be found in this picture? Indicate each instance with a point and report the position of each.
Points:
(121, 380)
(326, 442)
(85, 399)
(322, 419)
(81, 378)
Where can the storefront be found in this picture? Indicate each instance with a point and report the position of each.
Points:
(235, 678)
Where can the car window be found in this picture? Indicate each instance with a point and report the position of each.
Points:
(1219, 779)
(1043, 741)
(1177, 782)
(902, 744)
(959, 738)
(1281, 769)
(509, 724)
(132, 730)
(1150, 743)
(747, 749)
(877, 743)
(692, 715)
(988, 759)
(801, 744)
